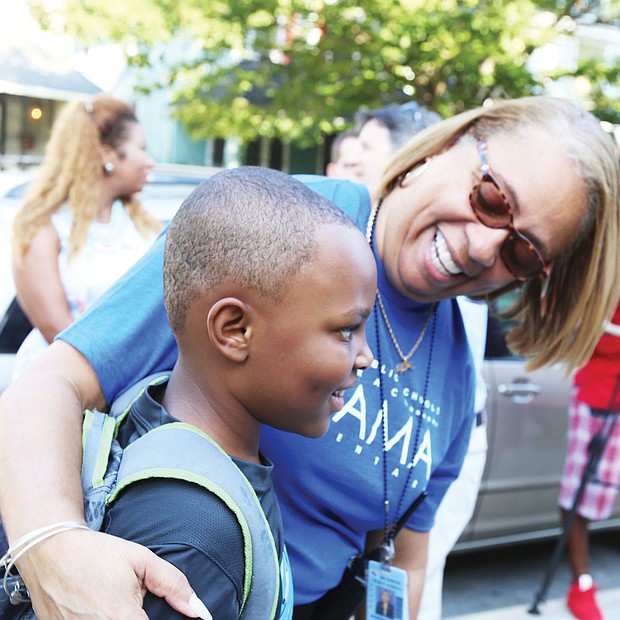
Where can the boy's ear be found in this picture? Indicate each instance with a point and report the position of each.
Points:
(229, 328)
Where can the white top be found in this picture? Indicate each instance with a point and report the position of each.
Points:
(475, 318)
(110, 249)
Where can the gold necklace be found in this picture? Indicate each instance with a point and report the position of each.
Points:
(405, 364)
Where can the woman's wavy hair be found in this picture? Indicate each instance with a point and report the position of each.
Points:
(72, 173)
(561, 319)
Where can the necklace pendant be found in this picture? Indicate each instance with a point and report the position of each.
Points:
(404, 366)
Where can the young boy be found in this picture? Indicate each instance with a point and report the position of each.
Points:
(267, 289)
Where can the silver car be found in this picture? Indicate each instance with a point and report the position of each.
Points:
(527, 421)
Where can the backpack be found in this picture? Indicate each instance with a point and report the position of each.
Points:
(181, 451)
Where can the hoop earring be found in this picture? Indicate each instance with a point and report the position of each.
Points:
(108, 168)
(415, 172)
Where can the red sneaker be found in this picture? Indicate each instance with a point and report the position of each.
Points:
(582, 603)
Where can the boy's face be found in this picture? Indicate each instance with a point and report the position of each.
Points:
(308, 347)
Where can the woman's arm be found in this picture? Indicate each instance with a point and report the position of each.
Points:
(69, 574)
(38, 285)
(411, 554)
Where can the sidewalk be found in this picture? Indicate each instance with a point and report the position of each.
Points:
(555, 609)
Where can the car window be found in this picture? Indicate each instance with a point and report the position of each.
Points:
(498, 327)
(14, 327)
(18, 191)
(496, 343)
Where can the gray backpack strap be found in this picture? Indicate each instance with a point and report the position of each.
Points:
(183, 452)
(100, 451)
(100, 462)
(121, 404)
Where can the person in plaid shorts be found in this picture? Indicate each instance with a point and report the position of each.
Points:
(591, 402)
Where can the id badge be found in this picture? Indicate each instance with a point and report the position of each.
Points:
(386, 592)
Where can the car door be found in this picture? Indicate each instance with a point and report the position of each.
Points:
(527, 417)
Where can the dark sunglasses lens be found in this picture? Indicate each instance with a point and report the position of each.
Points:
(520, 257)
(490, 205)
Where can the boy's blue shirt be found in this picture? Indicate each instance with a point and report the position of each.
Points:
(331, 490)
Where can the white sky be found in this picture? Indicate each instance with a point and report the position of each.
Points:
(101, 65)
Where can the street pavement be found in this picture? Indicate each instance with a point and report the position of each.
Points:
(555, 609)
(502, 583)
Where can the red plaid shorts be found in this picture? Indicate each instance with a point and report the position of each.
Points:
(598, 499)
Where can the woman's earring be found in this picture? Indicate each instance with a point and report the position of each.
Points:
(415, 172)
(108, 168)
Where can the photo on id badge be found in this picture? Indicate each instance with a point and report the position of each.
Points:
(385, 592)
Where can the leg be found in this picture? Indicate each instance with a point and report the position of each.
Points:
(577, 545)
(581, 600)
(582, 427)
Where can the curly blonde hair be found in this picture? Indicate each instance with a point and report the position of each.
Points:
(71, 173)
(561, 319)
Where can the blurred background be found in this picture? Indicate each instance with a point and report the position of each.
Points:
(270, 82)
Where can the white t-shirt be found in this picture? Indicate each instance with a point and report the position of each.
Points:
(110, 249)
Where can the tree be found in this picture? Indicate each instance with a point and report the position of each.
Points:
(297, 69)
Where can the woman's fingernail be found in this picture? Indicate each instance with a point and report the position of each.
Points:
(199, 608)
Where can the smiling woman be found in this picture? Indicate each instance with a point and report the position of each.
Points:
(403, 431)
(558, 170)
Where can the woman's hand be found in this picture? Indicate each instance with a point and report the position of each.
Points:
(80, 575)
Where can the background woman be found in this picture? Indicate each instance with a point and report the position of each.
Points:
(81, 225)
(522, 194)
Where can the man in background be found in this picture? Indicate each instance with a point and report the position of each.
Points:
(384, 130)
(346, 157)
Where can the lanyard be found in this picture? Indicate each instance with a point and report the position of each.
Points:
(389, 533)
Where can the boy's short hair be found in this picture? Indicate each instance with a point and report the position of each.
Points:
(253, 226)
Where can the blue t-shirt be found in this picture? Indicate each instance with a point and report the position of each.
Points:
(331, 490)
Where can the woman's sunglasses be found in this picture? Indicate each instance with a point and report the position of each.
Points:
(492, 208)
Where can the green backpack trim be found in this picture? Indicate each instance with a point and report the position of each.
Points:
(183, 452)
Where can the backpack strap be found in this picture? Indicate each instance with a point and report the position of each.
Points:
(183, 452)
(122, 403)
(100, 461)
(101, 452)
